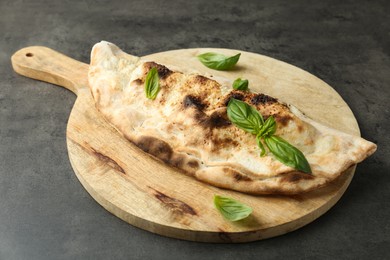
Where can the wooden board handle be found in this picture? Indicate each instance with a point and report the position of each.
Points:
(45, 64)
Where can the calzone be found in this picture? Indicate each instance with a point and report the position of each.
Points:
(186, 127)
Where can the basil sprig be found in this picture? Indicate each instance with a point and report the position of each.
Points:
(152, 86)
(240, 84)
(231, 209)
(268, 128)
(218, 61)
(250, 120)
(244, 116)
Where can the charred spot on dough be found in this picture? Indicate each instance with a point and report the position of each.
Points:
(201, 79)
(240, 177)
(283, 119)
(177, 160)
(258, 99)
(163, 72)
(163, 151)
(170, 127)
(138, 81)
(218, 119)
(236, 175)
(234, 94)
(194, 101)
(193, 164)
(155, 147)
(219, 144)
(216, 143)
(292, 177)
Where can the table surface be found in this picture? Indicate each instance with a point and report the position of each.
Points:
(46, 213)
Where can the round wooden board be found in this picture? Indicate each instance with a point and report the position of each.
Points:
(148, 194)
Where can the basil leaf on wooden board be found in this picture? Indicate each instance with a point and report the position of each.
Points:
(231, 209)
(152, 86)
(287, 154)
(244, 116)
(268, 128)
(240, 84)
(218, 61)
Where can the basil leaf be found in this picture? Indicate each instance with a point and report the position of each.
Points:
(268, 128)
(240, 84)
(231, 209)
(218, 61)
(287, 154)
(261, 146)
(152, 86)
(244, 116)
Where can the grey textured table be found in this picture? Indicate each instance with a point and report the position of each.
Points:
(46, 214)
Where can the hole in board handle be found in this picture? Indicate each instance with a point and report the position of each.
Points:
(29, 54)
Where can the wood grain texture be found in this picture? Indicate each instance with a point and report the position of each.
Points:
(148, 194)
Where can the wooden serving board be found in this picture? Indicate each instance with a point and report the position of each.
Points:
(150, 195)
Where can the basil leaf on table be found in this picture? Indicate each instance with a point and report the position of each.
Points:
(240, 84)
(218, 61)
(231, 209)
(152, 86)
(287, 154)
(244, 116)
